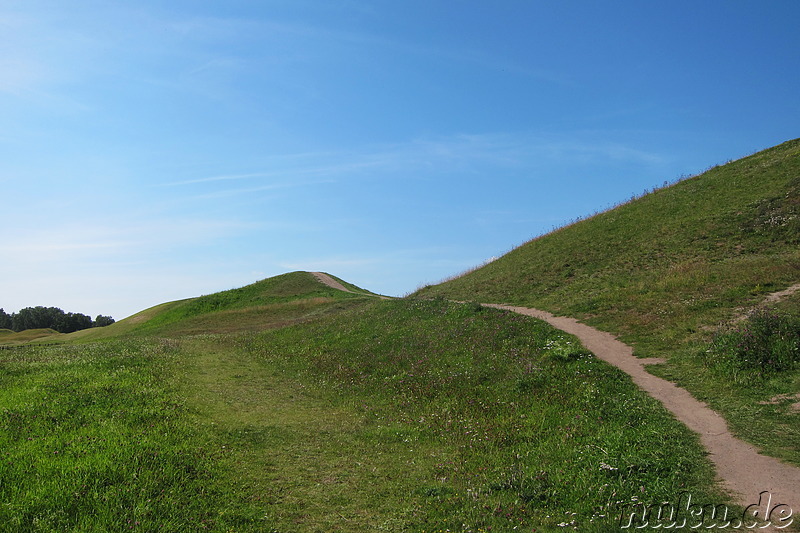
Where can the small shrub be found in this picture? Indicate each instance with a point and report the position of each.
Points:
(766, 341)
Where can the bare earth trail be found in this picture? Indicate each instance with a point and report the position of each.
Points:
(744, 471)
(325, 279)
(777, 296)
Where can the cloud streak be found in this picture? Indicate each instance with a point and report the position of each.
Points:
(420, 160)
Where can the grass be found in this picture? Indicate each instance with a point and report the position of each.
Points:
(94, 439)
(761, 399)
(764, 343)
(12, 338)
(383, 416)
(274, 302)
(289, 406)
(448, 417)
(667, 270)
(671, 260)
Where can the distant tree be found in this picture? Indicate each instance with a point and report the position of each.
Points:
(102, 321)
(5, 319)
(50, 317)
(36, 317)
(70, 322)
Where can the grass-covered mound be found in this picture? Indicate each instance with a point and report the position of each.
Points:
(9, 337)
(665, 270)
(272, 302)
(402, 415)
(665, 264)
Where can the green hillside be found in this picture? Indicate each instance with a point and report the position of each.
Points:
(9, 337)
(300, 408)
(277, 301)
(389, 415)
(670, 270)
(685, 255)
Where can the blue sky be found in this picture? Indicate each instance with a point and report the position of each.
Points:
(157, 150)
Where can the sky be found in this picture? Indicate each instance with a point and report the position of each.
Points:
(158, 150)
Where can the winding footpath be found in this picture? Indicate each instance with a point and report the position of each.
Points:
(744, 472)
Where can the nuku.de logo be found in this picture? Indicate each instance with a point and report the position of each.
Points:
(684, 514)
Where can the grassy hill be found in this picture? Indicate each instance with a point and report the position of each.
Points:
(9, 337)
(667, 272)
(278, 301)
(680, 257)
(300, 408)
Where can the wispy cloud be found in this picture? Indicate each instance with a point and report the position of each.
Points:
(225, 177)
(294, 42)
(421, 157)
(43, 56)
(597, 149)
(250, 190)
(83, 241)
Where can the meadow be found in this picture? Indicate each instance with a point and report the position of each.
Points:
(384, 416)
(94, 438)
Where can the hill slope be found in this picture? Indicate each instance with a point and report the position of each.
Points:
(667, 263)
(12, 338)
(668, 271)
(277, 301)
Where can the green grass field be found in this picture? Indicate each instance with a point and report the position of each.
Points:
(469, 419)
(385, 416)
(95, 438)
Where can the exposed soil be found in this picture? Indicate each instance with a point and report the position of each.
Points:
(777, 296)
(784, 398)
(769, 299)
(325, 279)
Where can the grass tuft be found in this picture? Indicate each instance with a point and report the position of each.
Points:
(765, 342)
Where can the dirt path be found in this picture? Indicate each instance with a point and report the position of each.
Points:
(769, 299)
(744, 471)
(778, 296)
(325, 279)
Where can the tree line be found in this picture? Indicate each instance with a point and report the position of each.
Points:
(50, 317)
